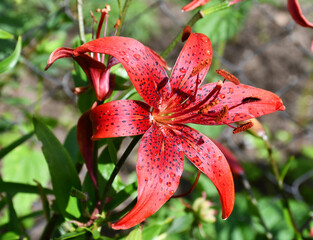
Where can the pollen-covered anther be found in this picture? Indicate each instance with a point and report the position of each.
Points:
(207, 107)
(117, 24)
(222, 114)
(196, 70)
(226, 75)
(243, 127)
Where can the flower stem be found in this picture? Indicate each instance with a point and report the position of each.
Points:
(177, 39)
(117, 169)
(122, 16)
(81, 21)
(289, 217)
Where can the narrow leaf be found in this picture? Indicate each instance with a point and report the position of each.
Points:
(136, 234)
(61, 167)
(5, 35)
(44, 200)
(13, 188)
(112, 151)
(15, 144)
(10, 61)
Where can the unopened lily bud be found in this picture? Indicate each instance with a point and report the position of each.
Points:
(203, 209)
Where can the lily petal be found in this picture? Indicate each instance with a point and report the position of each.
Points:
(144, 70)
(296, 13)
(194, 4)
(192, 64)
(233, 162)
(159, 167)
(120, 118)
(59, 53)
(244, 102)
(207, 157)
(86, 146)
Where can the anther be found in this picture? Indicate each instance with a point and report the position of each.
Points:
(208, 106)
(196, 70)
(243, 127)
(250, 100)
(222, 114)
(226, 75)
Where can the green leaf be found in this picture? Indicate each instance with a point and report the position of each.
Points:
(61, 167)
(5, 35)
(112, 151)
(136, 234)
(10, 236)
(13, 188)
(286, 168)
(121, 196)
(15, 144)
(71, 144)
(10, 61)
(181, 224)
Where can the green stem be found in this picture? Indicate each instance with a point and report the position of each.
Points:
(122, 16)
(284, 199)
(216, 8)
(254, 202)
(177, 39)
(81, 21)
(117, 169)
(50, 227)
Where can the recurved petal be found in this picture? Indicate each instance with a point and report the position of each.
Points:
(143, 69)
(192, 64)
(194, 4)
(86, 146)
(120, 118)
(243, 102)
(296, 13)
(59, 53)
(159, 167)
(233, 162)
(206, 156)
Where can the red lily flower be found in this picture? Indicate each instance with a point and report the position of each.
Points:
(197, 3)
(170, 103)
(296, 13)
(93, 65)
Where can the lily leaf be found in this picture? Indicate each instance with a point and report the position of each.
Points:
(11, 60)
(5, 35)
(61, 167)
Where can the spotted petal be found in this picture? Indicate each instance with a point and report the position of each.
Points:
(144, 70)
(204, 154)
(159, 167)
(120, 118)
(192, 64)
(244, 102)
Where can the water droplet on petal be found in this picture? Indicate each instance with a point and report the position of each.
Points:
(168, 184)
(160, 180)
(204, 39)
(182, 70)
(172, 174)
(230, 90)
(139, 168)
(134, 69)
(126, 59)
(137, 56)
(222, 96)
(122, 53)
(181, 77)
(219, 158)
(172, 192)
